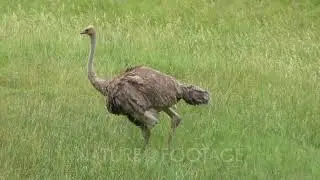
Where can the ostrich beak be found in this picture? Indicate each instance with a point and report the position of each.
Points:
(82, 32)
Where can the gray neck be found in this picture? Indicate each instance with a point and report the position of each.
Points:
(92, 49)
(98, 83)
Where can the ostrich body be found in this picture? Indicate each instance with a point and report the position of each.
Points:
(141, 93)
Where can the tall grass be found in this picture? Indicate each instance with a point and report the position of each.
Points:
(259, 60)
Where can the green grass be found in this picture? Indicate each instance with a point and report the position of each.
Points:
(259, 60)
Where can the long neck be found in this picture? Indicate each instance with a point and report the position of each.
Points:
(98, 83)
(91, 55)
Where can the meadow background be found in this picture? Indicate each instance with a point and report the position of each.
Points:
(259, 60)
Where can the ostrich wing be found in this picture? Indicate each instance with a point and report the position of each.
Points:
(142, 88)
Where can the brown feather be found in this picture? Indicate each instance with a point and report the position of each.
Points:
(141, 88)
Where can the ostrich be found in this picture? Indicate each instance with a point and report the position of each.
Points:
(140, 93)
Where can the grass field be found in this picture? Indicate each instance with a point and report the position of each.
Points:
(259, 60)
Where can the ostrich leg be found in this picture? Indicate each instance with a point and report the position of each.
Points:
(175, 121)
(150, 120)
(146, 135)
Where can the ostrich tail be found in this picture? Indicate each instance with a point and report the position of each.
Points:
(194, 95)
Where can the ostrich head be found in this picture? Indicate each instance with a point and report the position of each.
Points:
(89, 30)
